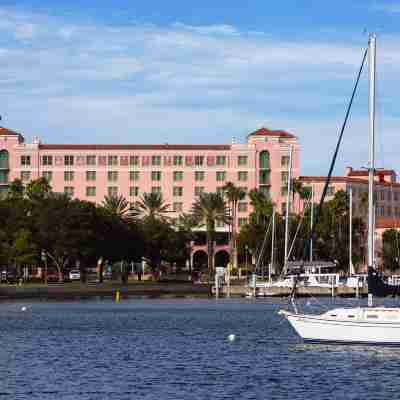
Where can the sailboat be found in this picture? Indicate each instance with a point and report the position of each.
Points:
(360, 325)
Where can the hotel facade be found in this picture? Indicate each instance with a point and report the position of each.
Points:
(180, 172)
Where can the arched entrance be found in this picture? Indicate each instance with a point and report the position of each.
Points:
(221, 258)
(200, 261)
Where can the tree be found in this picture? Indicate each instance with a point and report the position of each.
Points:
(208, 209)
(234, 194)
(261, 204)
(38, 189)
(16, 189)
(391, 249)
(152, 205)
(119, 207)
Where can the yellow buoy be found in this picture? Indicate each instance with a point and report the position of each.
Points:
(117, 296)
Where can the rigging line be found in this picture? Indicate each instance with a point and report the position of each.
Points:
(328, 180)
(263, 245)
(308, 203)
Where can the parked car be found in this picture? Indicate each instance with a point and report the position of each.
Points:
(53, 277)
(75, 275)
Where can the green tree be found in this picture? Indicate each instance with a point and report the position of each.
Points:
(207, 210)
(152, 205)
(391, 249)
(119, 207)
(234, 194)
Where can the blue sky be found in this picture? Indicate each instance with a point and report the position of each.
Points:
(199, 72)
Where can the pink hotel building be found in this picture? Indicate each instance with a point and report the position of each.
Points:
(178, 171)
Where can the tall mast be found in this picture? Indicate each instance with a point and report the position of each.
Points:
(351, 266)
(371, 164)
(272, 244)
(312, 221)
(288, 208)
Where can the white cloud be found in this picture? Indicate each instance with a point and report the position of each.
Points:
(182, 83)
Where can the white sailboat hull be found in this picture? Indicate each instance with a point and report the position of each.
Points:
(324, 329)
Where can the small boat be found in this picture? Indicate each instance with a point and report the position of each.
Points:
(362, 325)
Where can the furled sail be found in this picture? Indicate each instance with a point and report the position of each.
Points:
(378, 287)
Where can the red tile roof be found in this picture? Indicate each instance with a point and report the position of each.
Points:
(267, 132)
(345, 179)
(5, 131)
(387, 223)
(93, 147)
(377, 172)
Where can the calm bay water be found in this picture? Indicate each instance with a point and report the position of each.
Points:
(178, 349)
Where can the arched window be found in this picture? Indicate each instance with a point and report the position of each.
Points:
(264, 160)
(264, 172)
(4, 164)
(4, 171)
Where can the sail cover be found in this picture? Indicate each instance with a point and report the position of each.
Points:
(378, 287)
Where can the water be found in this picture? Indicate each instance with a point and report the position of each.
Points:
(179, 349)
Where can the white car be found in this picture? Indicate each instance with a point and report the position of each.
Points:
(75, 275)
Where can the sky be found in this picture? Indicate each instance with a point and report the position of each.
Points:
(134, 71)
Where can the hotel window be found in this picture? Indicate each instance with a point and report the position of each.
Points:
(382, 195)
(134, 175)
(112, 176)
(220, 160)
(330, 191)
(178, 191)
(284, 176)
(69, 191)
(156, 175)
(242, 160)
(389, 211)
(285, 161)
(48, 175)
(25, 160)
(68, 176)
(395, 196)
(264, 176)
(90, 175)
(178, 175)
(198, 161)
(134, 160)
(199, 176)
(90, 191)
(68, 160)
(242, 207)
(284, 191)
(242, 176)
(134, 191)
(177, 207)
(112, 160)
(25, 176)
(220, 176)
(389, 196)
(47, 160)
(178, 160)
(91, 160)
(112, 191)
(155, 160)
(221, 191)
(242, 221)
(156, 189)
(198, 190)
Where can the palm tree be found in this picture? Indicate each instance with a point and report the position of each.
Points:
(208, 209)
(118, 206)
(234, 194)
(152, 205)
(262, 205)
